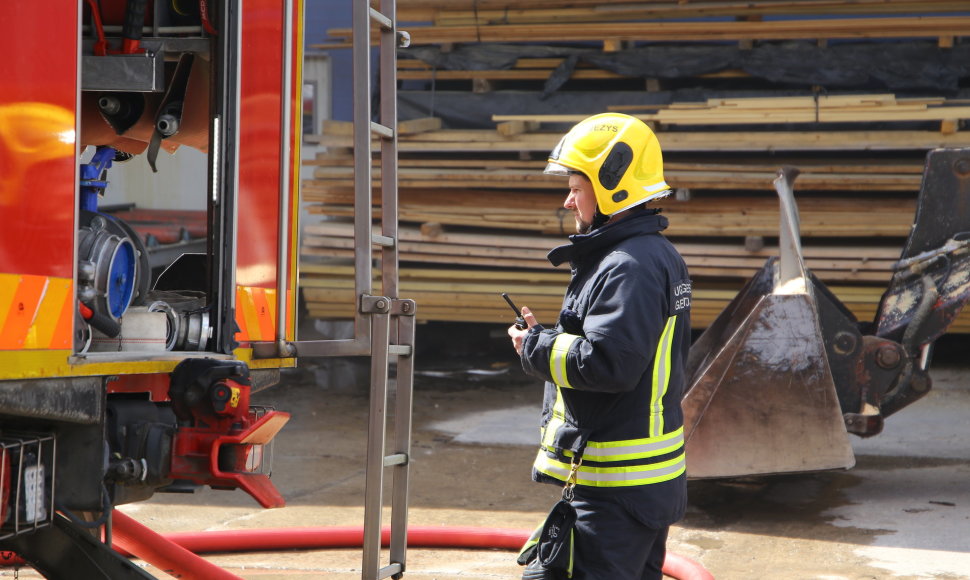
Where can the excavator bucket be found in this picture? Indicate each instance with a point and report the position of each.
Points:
(786, 372)
(761, 397)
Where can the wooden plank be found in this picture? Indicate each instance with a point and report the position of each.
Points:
(782, 110)
(781, 116)
(416, 126)
(338, 128)
(691, 141)
(696, 8)
(767, 164)
(533, 178)
(408, 127)
(821, 101)
(516, 127)
(447, 14)
(667, 31)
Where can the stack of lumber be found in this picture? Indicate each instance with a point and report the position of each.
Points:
(503, 138)
(478, 216)
(819, 109)
(485, 12)
(710, 215)
(473, 227)
(494, 159)
(474, 295)
(784, 110)
(445, 21)
(432, 244)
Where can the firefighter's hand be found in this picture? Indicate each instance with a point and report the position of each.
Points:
(518, 334)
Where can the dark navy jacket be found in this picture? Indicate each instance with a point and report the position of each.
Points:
(614, 368)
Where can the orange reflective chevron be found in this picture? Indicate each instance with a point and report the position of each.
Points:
(265, 303)
(246, 315)
(36, 312)
(256, 314)
(55, 317)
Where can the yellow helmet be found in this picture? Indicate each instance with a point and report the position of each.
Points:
(619, 154)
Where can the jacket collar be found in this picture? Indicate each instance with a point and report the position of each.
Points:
(582, 245)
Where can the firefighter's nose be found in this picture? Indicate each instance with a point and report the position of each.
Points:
(570, 202)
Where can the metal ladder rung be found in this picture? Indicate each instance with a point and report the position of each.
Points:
(382, 130)
(396, 459)
(385, 241)
(379, 17)
(388, 571)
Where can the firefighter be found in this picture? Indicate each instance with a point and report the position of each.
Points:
(613, 365)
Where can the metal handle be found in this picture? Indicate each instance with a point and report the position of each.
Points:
(134, 19)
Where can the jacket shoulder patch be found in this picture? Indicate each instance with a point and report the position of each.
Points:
(680, 293)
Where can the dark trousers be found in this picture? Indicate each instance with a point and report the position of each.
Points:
(612, 544)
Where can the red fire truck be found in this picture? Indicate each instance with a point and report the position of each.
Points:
(124, 372)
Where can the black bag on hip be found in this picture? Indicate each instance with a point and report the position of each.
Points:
(548, 553)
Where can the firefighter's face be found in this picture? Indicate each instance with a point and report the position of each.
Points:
(581, 201)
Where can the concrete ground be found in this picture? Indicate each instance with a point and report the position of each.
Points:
(902, 513)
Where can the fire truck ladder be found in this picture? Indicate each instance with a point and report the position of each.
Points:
(383, 324)
(392, 319)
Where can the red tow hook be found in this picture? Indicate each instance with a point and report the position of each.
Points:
(229, 461)
(236, 453)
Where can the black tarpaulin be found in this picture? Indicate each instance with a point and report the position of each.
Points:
(850, 65)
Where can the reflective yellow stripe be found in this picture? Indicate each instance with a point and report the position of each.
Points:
(533, 539)
(557, 359)
(614, 476)
(634, 448)
(572, 552)
(661, 378)
(557, 420)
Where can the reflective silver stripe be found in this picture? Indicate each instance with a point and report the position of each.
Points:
(634, 448)
(661, 378)
(557, 359)
(614, 476)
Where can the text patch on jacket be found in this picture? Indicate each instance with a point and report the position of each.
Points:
(680, 297)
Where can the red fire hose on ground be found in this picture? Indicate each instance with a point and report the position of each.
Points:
(137, 540)
(177, 553)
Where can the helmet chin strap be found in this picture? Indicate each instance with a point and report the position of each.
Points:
(599, 218)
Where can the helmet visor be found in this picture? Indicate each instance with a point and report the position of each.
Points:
(553, 168)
